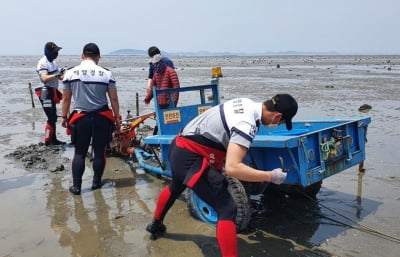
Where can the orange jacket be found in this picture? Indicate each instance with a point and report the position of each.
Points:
(168, 78)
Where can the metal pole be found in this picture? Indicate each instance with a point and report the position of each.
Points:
(361, 172)
(30, 91)
(137, 104)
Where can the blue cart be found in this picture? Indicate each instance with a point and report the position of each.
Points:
(313, 150)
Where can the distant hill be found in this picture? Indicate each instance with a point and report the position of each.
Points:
(137, 52)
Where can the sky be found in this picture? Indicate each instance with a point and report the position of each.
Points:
(251, 26)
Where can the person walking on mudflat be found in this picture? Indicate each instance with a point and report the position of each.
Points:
(219, 139)
(92, 121)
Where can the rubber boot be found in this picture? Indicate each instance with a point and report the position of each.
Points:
(48, 134)
(156, 228)
(54, 140)
(76, 187)
(97, 183)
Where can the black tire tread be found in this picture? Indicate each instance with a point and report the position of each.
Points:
(238, 192)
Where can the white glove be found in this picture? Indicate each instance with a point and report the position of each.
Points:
(277, 176)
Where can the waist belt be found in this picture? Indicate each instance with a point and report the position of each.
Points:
(75, 116)
(211, 157)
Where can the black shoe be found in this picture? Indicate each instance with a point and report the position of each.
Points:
(156, 228)
(75, 190)
(97, 185)
(54, 142)
(57, 142)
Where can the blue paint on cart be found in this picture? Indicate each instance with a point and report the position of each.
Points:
(315, 149)
(301, 149)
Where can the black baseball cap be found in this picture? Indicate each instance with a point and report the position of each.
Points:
(285, 104)
(51, 47)
(153, 50)
(91, 49)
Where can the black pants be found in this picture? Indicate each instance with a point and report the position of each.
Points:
(211, 187)
(96, 129)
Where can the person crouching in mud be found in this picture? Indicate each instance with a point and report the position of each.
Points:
(197, 154)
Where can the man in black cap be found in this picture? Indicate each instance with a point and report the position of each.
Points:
(48, 94)
(220, 138)
(91, 121)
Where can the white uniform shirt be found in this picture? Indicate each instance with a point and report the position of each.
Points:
(89, 84)
(46, 67)
(234, 121)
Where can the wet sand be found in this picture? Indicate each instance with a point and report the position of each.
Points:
(39, 217)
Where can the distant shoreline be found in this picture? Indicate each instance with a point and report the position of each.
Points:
(225, 55)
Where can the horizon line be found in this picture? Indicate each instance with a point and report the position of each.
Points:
(205, 53)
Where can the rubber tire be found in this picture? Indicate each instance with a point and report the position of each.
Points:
(202, 211)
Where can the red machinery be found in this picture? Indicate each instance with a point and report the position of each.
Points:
(125, 138)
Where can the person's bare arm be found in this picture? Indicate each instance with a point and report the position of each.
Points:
(112, 94)
(235, 167)
(65, 105)
(149, 82)
(46, 77)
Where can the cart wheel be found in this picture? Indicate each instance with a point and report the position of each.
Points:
(202, 211)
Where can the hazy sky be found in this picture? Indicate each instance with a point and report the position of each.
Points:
(345, 26)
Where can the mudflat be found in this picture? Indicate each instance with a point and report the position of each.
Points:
(39, 217)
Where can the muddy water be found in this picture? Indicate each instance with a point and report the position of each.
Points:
(39, 217)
